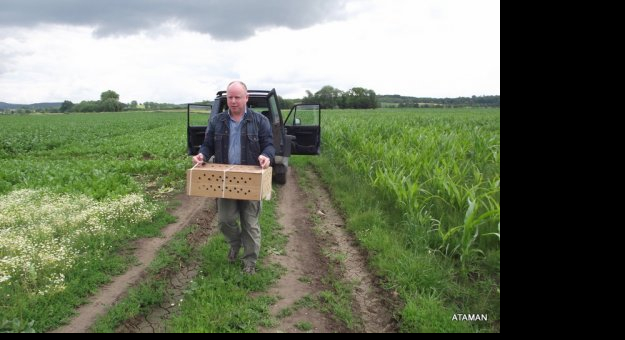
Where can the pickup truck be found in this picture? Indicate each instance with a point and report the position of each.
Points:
(298, 134)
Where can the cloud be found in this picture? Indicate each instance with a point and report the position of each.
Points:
(223, 20)
(426, 48)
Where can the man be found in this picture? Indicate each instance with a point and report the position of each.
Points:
(243, 137)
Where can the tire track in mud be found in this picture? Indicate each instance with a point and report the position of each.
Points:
(370, 302)
(145, 252)
(307, 267)
(303, 261)
(156, 320)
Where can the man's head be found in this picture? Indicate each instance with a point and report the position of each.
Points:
(237, 97)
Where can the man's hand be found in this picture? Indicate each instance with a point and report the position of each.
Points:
(198, 159)
(265, 162)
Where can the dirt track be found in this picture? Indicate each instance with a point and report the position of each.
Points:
(145, 252)
(313, 228)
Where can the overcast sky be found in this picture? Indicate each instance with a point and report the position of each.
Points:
(186, 50)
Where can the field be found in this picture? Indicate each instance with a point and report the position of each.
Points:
(419, 190)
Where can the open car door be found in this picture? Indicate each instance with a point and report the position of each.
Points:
(304, 122)
(197, 121)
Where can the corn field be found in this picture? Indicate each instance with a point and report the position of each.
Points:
(440, 168)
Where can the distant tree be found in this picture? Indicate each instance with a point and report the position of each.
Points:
(87, 106)
(134, 105)
(109, 102)
(286, 104)
(360, 98)
(309, 99)
(109, 95)
(110, 105)
(373, 102)
(67, 106)
(328, 97)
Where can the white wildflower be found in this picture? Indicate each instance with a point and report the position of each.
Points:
(42, 235)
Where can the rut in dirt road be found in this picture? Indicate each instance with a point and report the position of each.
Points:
(370, 302)
(303, 261)
(316, 238)
(145, 253)
(307, 267)
(156, 319)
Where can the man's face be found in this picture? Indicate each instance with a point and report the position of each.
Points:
(237, 99)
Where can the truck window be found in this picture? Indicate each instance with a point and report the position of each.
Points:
(274, 108)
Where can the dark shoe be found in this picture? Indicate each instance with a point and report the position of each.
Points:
(233, 254)
(249, 270)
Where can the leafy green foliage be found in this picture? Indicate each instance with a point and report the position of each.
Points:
(72, 194)
(421, 191)
(17, 326)
(442, 171)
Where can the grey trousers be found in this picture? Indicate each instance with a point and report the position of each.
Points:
(248, 235)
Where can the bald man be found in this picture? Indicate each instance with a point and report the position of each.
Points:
(243, 137)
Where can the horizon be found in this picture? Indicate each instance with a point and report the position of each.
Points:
(149, 101)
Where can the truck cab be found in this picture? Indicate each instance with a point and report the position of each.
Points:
(297, 134)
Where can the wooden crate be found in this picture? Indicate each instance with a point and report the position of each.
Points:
(240, 182)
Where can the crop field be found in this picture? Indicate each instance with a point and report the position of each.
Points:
(420, 190)
(441, 170)
(422, 194)
(73, 190)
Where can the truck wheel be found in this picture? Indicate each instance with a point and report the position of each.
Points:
(280, 178)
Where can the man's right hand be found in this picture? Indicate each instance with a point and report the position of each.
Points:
(198, 159)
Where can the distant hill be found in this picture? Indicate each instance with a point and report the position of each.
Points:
(8, 106)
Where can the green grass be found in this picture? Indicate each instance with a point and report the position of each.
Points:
(218, 300)
(84, 166)
(402, 179)
(223, 298)
(338, 299)
(304, 326)
(152, 291)
(98, 261)
(420, 190)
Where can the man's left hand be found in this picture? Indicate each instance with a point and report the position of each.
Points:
(264, 161)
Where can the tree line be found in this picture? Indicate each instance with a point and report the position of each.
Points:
(109, 102)
(415, 102)
(330, 97)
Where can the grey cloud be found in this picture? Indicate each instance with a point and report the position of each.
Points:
(222, 19)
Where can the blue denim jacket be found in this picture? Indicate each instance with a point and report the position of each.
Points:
(256, 139)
